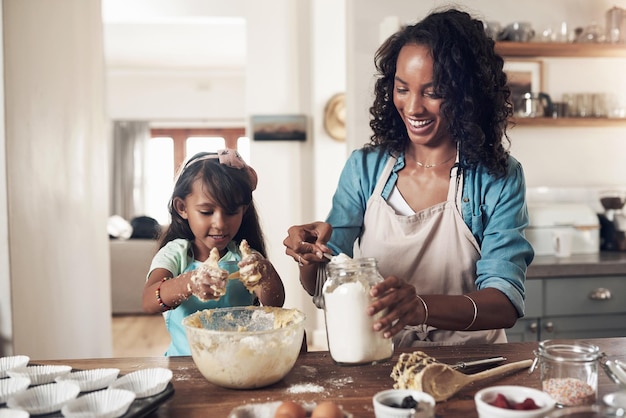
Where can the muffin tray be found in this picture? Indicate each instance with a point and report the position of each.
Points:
(138, 409)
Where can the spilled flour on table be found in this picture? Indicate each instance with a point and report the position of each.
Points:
(305, 388)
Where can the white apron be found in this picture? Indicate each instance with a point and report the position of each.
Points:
(433, 250)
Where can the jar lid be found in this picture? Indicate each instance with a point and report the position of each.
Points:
(568, 351)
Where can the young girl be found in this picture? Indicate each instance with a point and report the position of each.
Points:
(211, 208)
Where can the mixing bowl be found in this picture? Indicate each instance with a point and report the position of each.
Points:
(245, 347)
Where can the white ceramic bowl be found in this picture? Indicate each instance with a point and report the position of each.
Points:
(515, 394)
(258, 345)
(92, 379)
(9, 387)
(107, 403)
(10, 362)
(44, 399)
(40, 374)
(384, 400)
(144, 382)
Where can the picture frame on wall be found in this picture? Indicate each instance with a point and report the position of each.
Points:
(279, 127)
(524, 76)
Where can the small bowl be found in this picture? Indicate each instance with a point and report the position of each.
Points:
(9, 387)
(13, 413)
(384, 400)
(92, 379)
(44, 399)
(40, 375)
(514, 394)
(10, 362)
(145, 382)
(108, 403)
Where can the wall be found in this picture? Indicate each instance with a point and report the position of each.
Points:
(6, 331)
(56, 178)
(552, 157)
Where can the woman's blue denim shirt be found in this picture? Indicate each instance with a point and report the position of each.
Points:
(493, 208)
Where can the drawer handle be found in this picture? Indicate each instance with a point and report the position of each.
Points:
(600, 293)
(549, 327)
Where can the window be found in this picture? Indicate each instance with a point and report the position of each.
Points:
(167, 151)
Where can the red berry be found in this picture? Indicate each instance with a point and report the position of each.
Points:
(501, 402)
(529, 404)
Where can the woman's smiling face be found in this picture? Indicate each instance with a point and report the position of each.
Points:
(415, 98)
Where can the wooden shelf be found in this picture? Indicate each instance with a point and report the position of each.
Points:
(570, 122)
(557, 49)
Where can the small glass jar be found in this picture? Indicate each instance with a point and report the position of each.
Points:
(349, 329)
(569, 371)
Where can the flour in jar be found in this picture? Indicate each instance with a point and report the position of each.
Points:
(351, 337)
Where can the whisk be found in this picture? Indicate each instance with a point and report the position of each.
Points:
(318, 296)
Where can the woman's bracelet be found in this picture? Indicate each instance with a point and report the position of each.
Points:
(475, 313)
(425, 309)
(157, 292)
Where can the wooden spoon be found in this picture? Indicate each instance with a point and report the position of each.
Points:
(441, 381)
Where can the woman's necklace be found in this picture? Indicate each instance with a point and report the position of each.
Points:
(434, 165)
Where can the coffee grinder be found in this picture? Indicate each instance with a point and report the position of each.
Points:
(612, 221)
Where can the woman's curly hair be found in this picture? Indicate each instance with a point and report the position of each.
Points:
(468, 75)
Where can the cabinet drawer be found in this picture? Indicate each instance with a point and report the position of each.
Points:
(582, 296)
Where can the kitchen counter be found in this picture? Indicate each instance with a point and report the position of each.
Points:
(316, 377)
(604, 263)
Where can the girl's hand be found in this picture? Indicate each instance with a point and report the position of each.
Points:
(209, 280)
(253, 270)
(398, 300)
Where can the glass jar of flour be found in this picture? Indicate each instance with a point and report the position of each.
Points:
(349, 329)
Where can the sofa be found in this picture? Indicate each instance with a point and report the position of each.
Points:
(130, 261)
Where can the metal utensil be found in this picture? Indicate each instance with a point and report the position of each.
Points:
(466, 364)
(318, 296)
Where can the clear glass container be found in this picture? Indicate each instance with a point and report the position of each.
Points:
(349, 329)
(569, 371)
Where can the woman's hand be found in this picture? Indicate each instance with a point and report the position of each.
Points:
(398, 300)
(307, 243)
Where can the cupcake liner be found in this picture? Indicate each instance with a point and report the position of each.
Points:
(107, 403)
(40, 374)
(10, 362)
(12, 386)
(44, 399)
(90, 380)
(145, 382)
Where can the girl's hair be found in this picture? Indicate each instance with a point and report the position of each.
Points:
(229, 187)
(467, 74)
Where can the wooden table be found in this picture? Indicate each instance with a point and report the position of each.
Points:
(315, 377)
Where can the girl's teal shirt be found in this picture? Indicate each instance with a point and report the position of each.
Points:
(176, 257)
(494, 209)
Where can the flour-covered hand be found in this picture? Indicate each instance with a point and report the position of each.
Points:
(209, 280)
(252, 267)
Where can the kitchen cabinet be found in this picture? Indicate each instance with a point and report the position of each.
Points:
(563, 50)
(573, 308)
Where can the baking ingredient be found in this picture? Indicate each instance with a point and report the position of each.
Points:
(327, 409)
(408, 402)
(350, 330)
(245, 347)
(289, 409)
(501, 401)
(570, 391)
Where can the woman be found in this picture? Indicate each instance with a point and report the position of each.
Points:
(435, 197)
